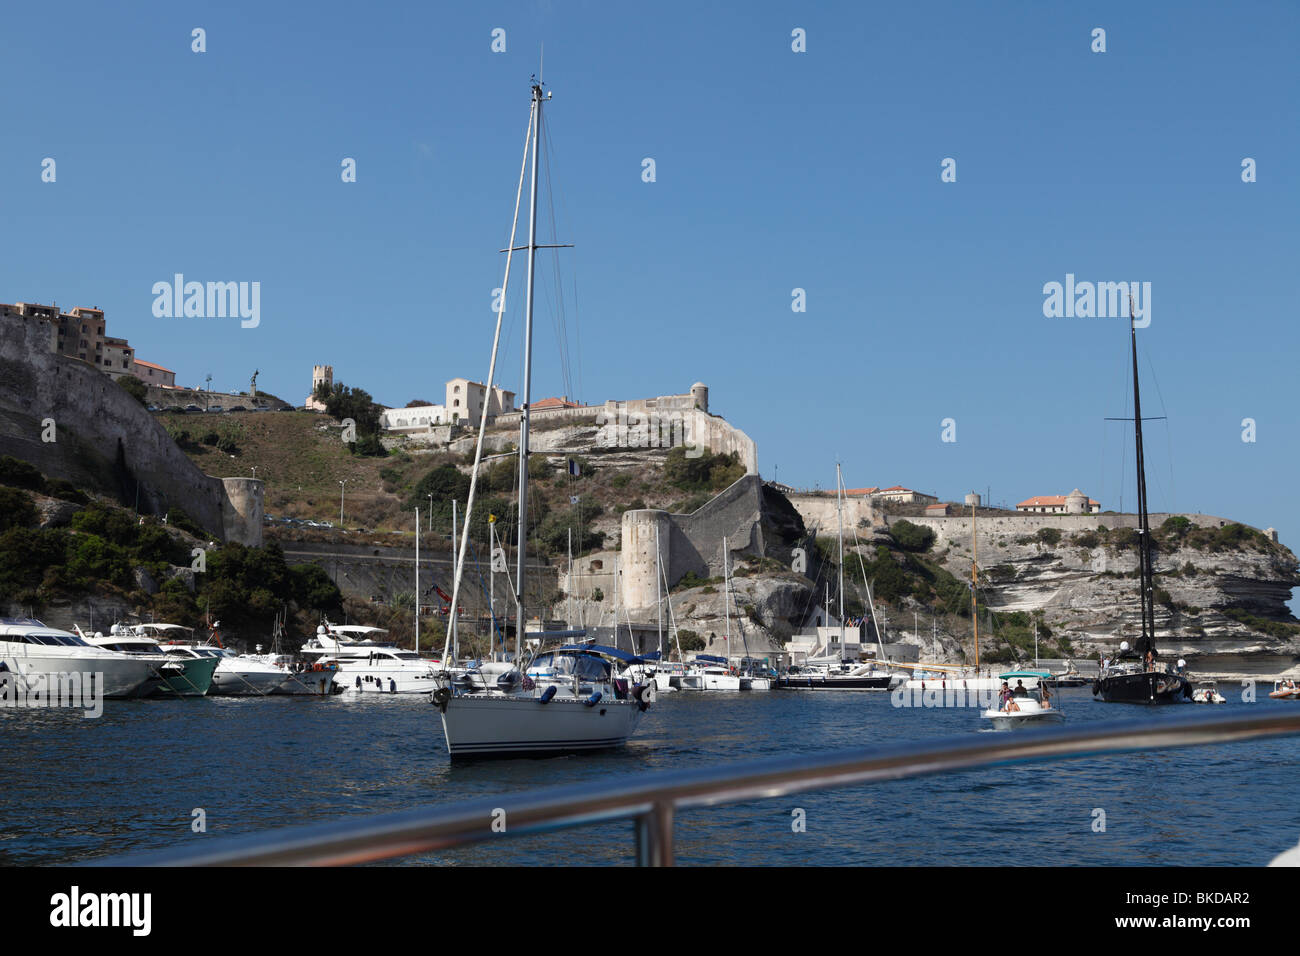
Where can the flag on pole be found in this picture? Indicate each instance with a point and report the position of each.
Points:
(574, 499)
(574, 468)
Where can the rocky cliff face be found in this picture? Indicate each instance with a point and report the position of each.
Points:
(1211, 597)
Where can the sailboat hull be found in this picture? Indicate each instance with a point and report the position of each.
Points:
(833, 682)
(493, 725)
(1144, 687)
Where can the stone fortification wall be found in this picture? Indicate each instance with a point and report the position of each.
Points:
(957, 528)
(690, 543)
(103, 439)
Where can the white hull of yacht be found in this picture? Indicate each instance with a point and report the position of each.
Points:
(756, 683)
(368, 679)
(232, 680)
(309, 683)
(496, 724)
(720, 682)
(962, 683)
(114, 675)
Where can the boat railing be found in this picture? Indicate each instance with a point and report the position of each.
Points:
(652, 801)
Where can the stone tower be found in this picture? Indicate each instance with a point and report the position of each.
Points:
(638, 556)
(1076, 503)
(320, 375)
(700, 396)
(242, 511)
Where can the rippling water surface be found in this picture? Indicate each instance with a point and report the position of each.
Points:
(76, 789)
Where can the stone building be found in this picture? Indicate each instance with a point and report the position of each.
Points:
(406, 421)
(1075, 503)
(320, 375)
(466, 401)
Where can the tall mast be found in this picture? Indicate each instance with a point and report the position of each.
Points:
(726, 587)
(1147, 641)
(974, 582)
(659, 596)
(528, 375)
(839, 529)
(417, 580)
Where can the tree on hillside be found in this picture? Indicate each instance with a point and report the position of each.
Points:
(135, 388)
(342, 402)
(703, 472)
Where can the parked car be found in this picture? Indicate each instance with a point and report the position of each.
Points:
(237, 408)
(193, 408)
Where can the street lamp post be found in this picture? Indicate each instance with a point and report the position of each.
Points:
(342, 491)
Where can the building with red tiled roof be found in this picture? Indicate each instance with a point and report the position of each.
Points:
(902, 495)
(554, 403)
(1075, 503)
(152, 374)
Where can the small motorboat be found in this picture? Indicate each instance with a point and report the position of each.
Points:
(1285, 690)
(1207, 692)
(1029, 708)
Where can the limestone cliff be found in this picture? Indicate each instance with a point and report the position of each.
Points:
(1221, 588)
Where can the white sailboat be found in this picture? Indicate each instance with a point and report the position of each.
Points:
(505, 712)
(961, 677)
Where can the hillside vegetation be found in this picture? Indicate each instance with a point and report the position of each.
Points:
(302, 458)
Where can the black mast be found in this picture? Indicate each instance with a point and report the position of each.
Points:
(1147, 641)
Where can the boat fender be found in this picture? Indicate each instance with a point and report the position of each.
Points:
(547, 695)
(593, 700)
(440, 698)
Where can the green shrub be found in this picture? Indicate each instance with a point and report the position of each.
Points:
(911, 537)
(19, 474)
(16, 510)
(705, 472)
(135, 388)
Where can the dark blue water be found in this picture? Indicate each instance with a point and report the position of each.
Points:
(76, 789)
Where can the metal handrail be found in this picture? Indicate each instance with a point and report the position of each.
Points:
(652, 800)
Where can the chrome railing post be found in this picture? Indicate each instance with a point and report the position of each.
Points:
(654, 835)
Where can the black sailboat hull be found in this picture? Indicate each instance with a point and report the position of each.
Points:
(1145, 687)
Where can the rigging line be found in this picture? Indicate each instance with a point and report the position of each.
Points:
(576, 380)
(561, 329)
(1169, 439)
(496, 628)
(458, 567)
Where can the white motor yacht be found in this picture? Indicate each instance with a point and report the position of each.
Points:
(705, 672)
(370, 666)
(37, 656)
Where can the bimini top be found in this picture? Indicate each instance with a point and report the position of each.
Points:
(1041, 675)
(710, 658)
(603, 649)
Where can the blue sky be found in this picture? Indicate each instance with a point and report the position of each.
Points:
(775, 170)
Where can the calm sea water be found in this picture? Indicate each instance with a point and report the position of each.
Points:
(76, 789)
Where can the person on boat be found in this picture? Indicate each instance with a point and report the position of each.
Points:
(1020, 689)
(1011, 706)
(1004, 694)
(1045, 698)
